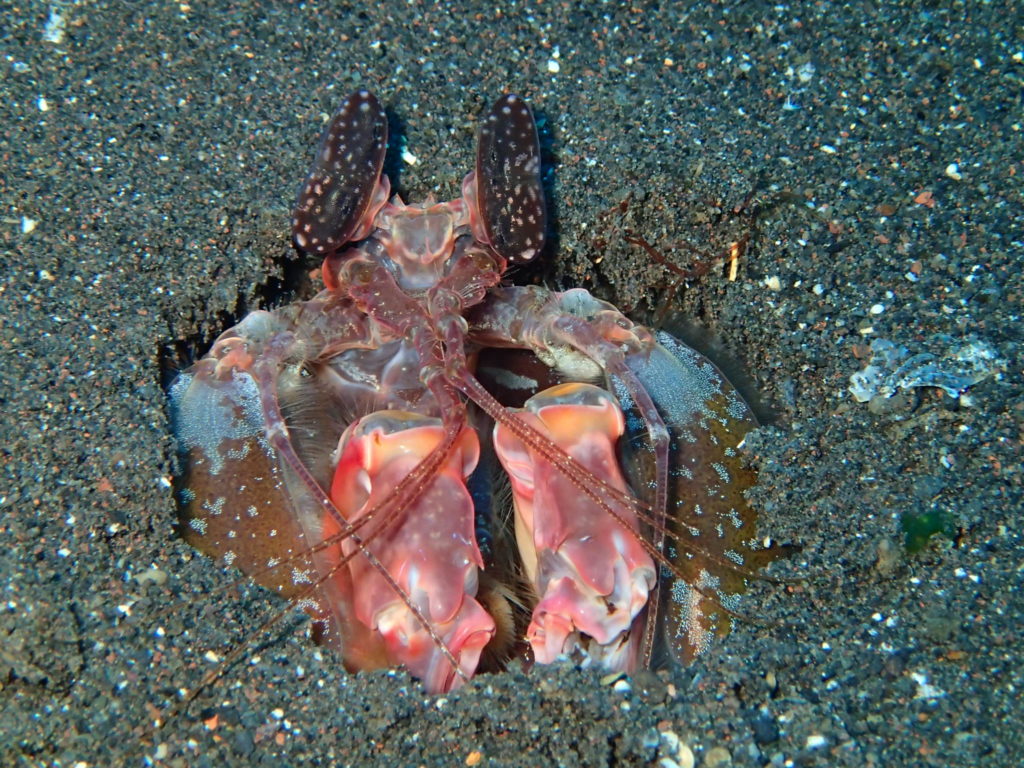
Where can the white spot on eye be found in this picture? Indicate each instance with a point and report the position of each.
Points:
(197, 525)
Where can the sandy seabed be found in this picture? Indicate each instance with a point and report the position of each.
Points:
(151, 153)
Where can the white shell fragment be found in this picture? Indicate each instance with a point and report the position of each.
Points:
(893, 367)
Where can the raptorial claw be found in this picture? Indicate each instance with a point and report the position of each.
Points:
(430, 552)
(591, 574)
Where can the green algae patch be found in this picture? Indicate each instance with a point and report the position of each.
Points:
(919, 528)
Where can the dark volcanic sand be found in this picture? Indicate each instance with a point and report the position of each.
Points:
(157, 149)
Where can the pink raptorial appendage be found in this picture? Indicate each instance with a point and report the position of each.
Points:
(430, 551)
(592, 575)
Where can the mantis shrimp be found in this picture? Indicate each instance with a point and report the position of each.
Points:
(448, 471)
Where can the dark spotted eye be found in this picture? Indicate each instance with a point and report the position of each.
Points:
(510, 196)
(338, 191)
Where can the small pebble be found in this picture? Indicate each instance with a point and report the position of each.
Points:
(717, 757)
(765, 729)
(670, 742)
(816, 741)
(152, 576)
(888, 556)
